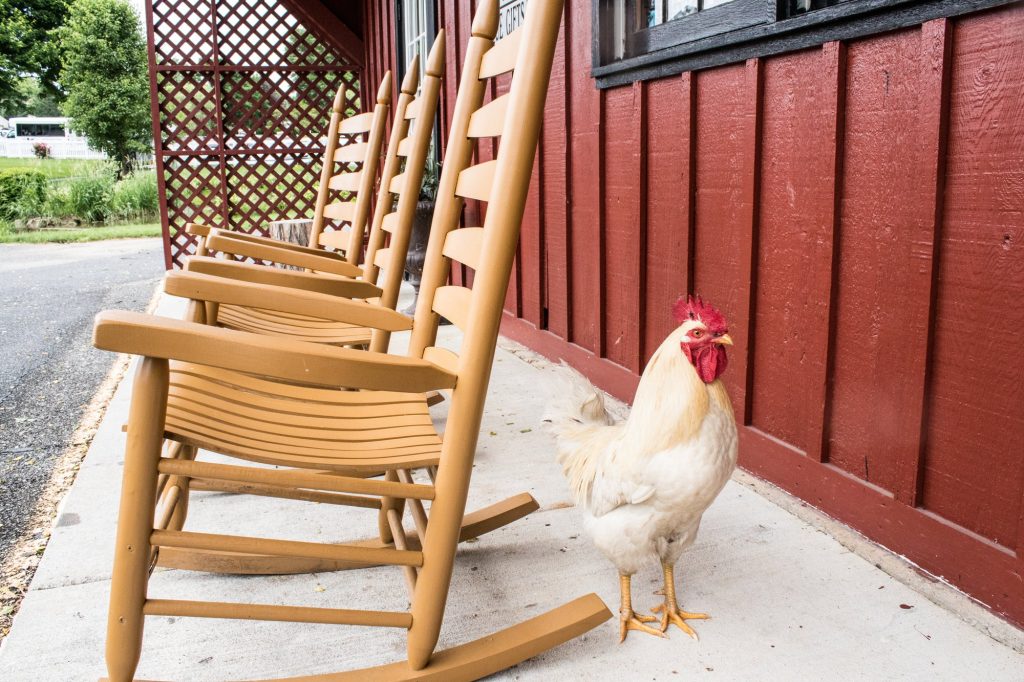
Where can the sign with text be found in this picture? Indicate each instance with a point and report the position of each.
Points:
(511, 14)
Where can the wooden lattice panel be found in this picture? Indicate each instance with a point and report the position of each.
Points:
(243, 96)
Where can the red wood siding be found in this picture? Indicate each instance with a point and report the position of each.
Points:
(857, 211)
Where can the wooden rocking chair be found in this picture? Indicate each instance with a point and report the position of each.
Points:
(354, 210)
(405, 183)
(261, 383)
(216, 283)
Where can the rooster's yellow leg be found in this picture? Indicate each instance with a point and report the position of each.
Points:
(670, 611)
(628, 619)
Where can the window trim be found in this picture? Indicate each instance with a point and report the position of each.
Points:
(725, 18)
(844, 21)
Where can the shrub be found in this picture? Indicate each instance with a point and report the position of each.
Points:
(41, 150)
(22, 193)
(135, 197)
(89, 196)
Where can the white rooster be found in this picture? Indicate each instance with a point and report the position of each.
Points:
(645, 482)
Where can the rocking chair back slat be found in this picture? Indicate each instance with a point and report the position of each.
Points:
(489, 120)
(351, 153)
(372, 124)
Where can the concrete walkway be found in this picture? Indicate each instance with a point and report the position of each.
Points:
(789, 602)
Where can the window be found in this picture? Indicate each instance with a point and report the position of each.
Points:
(639, 39)
(415, 27)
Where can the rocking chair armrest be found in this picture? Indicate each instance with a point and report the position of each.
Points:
(261, 248)
(277, 358)
(198, 229)
(270, 241)
(332, 285)
(213, 289)
(201, 230)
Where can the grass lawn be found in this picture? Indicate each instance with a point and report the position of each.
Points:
(81, 234)
(55, 168)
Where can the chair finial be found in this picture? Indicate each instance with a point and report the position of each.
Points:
(339, 100)
(485, 22)
(384, 91)
(435, 60)
(412, 76)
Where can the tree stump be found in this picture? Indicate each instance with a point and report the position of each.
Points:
(295, 231)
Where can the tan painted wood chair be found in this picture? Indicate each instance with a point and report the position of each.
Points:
(401, 179)
(272, 297)
(392, 220)
(351, 211)
(287, 391)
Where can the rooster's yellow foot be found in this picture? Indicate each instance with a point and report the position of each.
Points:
(673, 614)
(628, 620)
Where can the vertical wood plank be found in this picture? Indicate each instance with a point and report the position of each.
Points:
(751, 192)
(622, 198)
(933, 113)
(722, 239)
(531, 247)
(555, 161)
(585, 187)
(669, 205)
(824, 264)
(884, 260)
(974, 464)
(796, 205)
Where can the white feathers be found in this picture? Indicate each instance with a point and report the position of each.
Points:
(582, 426)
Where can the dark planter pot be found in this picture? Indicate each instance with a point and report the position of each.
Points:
(418, 249)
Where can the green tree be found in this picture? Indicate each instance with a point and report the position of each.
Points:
(28, 48)
(104, 73)
(35, 100)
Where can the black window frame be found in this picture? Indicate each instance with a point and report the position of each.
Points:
(740, 32)
(403, 62)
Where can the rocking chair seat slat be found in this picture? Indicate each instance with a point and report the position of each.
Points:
(270, 323)
(309, 397)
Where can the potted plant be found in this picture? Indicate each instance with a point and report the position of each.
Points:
(421, 229)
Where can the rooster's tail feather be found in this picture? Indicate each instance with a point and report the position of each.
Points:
(576, 402)
(580, 421)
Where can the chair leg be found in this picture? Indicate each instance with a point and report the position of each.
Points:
(135, 520)
(177, 521)
(439, 546)
(387, 503)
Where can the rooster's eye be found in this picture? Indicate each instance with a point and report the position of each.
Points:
(696, 333)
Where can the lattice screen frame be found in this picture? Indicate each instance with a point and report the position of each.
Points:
(240, 94)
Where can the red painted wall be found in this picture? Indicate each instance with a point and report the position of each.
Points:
(857, 211)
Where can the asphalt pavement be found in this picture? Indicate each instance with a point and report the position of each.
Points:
(49, 370)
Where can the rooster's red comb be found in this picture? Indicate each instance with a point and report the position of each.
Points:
(694, 308)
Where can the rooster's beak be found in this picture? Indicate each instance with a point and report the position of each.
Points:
(724, 340)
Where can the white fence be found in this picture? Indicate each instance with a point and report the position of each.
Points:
(60, 147)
